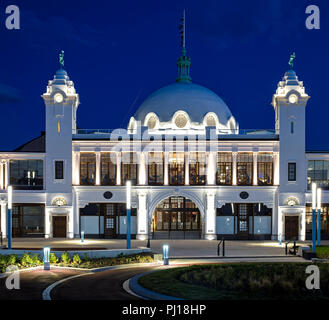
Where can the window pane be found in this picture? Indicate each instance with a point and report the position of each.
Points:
(26, 174)
(108, 168)
(224, 169)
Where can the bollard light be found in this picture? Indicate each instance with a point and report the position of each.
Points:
(46, 258)
(318, 206)
(280, 239)
(128, 207)
(313, 216)
(82, 236)
(165, 252)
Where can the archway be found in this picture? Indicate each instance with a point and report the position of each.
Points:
(176, 217)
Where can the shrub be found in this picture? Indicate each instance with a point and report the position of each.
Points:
(36, 260)
(76, 259)
(11, 259)
(65, 258)
(86, 257)
(26, 260)
(53, 258)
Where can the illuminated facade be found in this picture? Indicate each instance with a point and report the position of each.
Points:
(195, 173)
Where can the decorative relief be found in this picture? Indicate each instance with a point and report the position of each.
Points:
(291, 201)
(59, 201)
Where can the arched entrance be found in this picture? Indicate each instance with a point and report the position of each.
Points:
(176, 218)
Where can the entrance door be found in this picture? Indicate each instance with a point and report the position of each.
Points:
(243, 221)
(59, 227)
(110, 219)
(291, 228)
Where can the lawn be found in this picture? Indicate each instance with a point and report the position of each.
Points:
(322, 252)
(251, 281)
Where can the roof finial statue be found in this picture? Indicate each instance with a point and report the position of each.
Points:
(61, 59)
(183, 62)
(182, 30)
(291, 60)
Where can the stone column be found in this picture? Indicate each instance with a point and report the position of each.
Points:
(210, 215)
(3, 218)
(255, 175)
(234, 168)
(276, 169)
(70, 221)
(302, 225)
(166, 164)
(98, 169)
(47, 223)
(76, 168)
(187, 168)
(76, 214)
(280, 223)
(118, 168)
(142, 216)
(7, 180)
(142, 169)
(211, 168)
(1, 175)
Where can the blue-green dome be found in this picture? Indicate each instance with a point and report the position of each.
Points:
(194, 99)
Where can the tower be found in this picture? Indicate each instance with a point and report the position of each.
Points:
(289, 102)
(61, 102)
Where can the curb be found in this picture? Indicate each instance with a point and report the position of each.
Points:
(144, 293)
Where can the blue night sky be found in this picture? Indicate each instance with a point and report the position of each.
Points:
(118, 52)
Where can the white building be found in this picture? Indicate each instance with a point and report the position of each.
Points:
(195, 173)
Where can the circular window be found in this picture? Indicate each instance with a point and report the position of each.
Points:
(151, 123)
(107, 195)
(181, 121)
(211, 122)
(244, 195)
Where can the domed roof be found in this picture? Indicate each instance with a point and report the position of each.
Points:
(194, 99)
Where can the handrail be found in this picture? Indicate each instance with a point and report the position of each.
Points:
(218, 247)
(294, 246)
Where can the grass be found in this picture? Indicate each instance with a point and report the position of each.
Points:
(250, 281)
(322, 252)
(29, 260)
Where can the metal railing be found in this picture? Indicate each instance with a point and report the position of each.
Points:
(221, 242)
(219, 131)
(294, 248)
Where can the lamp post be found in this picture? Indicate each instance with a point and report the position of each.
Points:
(318, 200)
(313, 216)
(10, 206)
(128, 206)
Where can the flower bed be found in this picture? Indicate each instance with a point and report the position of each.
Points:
(34, 260)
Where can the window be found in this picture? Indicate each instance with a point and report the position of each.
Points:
(197, 166)
(128, 168)
(292, 127)
(28, 220)
(108, 168)
(317, 171)
(176, 168)
(224, 169)
(245, 168)
(87, 168)
(265, 169)
(59, 170)
(26, 174)
(155, 168)
(292, 171)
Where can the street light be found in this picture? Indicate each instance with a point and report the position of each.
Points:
(313, 216)
(10, 206)
(128, 206)
(318, 200)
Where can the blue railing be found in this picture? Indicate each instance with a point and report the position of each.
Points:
(219, 131)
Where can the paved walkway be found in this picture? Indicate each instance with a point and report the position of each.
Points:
(178, 248)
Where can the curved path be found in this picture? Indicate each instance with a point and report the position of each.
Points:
(106, 285)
